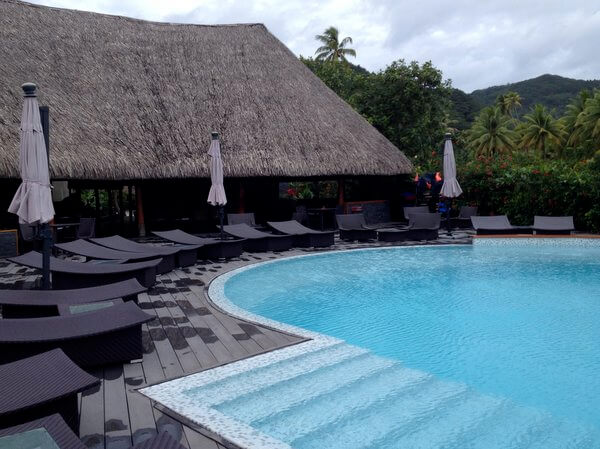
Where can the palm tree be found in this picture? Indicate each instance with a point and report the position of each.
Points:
(490, 134)
(540, 130)
(569, 120)
(588, 122)
(508, 103)
(332, 49)
(512, 101)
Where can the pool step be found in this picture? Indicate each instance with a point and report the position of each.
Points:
(383, 416)
(315, 413)
(290, 393)
(326, 398)
(259, 378)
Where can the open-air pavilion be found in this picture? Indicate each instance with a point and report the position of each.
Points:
(133, 104)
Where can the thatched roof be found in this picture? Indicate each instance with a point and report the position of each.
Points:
(132, 99)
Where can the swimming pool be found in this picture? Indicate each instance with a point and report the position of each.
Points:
(490, 345)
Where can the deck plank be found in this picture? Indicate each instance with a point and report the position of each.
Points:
(164, 423)
(203, 354)
(91, 417)
(199, 441)
(185, 355)
(117, 431)
(141, 417)
(166, 354)
(216, 347)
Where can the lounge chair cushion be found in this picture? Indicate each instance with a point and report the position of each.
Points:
(36, 380)
(553, 223)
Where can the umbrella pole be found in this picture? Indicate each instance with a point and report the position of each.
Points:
(448, 207)
(45, 231)
(221, 216)
(46, 235)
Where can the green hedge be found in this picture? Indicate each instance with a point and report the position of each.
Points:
(524, 187)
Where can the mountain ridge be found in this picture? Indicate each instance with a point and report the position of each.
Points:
(553, 91)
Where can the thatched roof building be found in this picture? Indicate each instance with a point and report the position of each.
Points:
(132, 99)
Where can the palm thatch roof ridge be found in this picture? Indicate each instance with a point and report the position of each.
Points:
(131, 99)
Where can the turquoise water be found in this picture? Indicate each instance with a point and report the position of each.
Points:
(444, 347)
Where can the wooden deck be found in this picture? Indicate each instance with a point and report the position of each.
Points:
(187, 335)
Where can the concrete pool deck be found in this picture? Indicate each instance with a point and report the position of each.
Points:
(188, 335)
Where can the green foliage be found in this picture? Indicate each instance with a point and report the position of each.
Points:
(491, 133)
(332, 49)
(509, 103)
(346, 80)
(300, 190)
(541, 131)
(522, 186)
(408, 103)
(463, 109)
(521, 167)
(587, 125)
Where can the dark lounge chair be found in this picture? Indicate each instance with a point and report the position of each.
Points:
(420, 227)
(68, 275)
(497, 224)
(36, 303)
(408, 210)
(111, 334)
(87, 228)
(180, 256)
(64, 437)
(303, 237)
(91, 251)
(354, 227)
(553, 225)
(41, 385)
(257, 240)
(208, 248)
(248, 218)
(38, 431)
(464, 217)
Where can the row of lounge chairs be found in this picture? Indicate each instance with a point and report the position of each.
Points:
(499, 224)
(48, 338)
(91, 319)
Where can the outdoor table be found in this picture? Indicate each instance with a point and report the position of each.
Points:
(321, 211)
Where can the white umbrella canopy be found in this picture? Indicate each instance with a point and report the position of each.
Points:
(216, 195)
(451, 187)
(33, 200)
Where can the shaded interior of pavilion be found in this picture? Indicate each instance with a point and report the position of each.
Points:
(121, 207)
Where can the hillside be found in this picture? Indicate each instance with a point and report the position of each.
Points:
(553, 91)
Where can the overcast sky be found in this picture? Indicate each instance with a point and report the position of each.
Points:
(476, 43)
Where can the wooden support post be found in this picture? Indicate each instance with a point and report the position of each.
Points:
(341, 193)
(121, 210)
(130, 203)
(242, 206)
(140, 212)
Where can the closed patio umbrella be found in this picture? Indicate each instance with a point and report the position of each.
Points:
(33, 200)
(216, 195)
(450, 187)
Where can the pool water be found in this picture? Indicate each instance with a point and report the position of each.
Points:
(487, 346)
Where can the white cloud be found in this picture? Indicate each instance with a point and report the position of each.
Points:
(475, 43)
